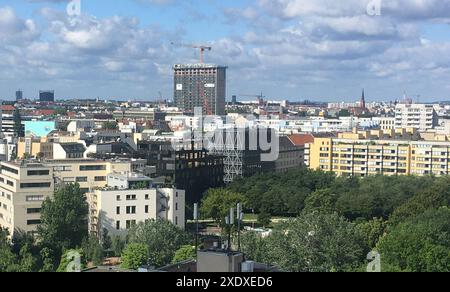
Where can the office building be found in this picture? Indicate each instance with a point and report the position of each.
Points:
(240, 158)
(200, 85)
(47, 96)
(190, 169)
(419, 116)
(129, 199)
(23, 188)
(19, 95)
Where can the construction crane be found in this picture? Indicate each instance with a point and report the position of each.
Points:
(202, 49)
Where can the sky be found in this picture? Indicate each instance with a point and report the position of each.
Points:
(321, 50)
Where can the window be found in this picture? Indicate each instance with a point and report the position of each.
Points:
(118, 198)
(35, 198)
(131, 197)
(33, 222)
(92, 167)
(82, 179)
(131, 209)
(117, 210)
(176, 206)
(38, 172)
(176, 220)
(33, 210)
(10, 183)
(100, 178)
(130, 223)
(146, 209)
(147, 197)
(34, 185)
(9, 169)
(118, 225)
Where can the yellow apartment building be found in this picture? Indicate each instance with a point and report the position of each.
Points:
(399, 152)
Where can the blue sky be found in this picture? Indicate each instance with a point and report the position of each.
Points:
(321, 50)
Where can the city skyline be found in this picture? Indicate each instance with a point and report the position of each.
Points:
(288, 49)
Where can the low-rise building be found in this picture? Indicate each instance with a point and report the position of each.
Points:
(121, 205)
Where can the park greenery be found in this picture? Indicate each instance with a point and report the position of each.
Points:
(334, 222)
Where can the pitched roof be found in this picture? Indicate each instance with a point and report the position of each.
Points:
(301, 139)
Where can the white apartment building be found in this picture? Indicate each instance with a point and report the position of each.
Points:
(385, 123)
(118, 207)
(419, 116)
(23, 188)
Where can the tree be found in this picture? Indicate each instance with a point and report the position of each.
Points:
(264, 218)
(372, 231)
(93, 250)
(106, 240)
(420, 244)
(186, 252)
(110, 126)
(217, 203)
(47, 260)
(64, 219)
(254, 247)
(8, 260)
(321, 200)
(134, 256)
(18, 129)
(316, 242)
(117, 245)
(162, 239)
(435, 196)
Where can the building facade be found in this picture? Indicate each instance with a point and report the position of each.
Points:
(200, 85)
(88, 173)
(47, 96)
(372, 153)
(19, 95)
(118, 208)
(291, 156)
(23, 188)
(419, 116)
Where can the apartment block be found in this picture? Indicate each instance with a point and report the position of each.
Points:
(125, 203)
(419, 116)
(364, 154)
(88, 173)
(23, 188)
